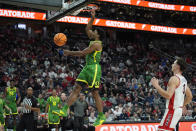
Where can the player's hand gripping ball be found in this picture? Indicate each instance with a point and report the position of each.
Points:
(60, 39)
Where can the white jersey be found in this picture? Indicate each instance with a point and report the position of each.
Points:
(177, 100)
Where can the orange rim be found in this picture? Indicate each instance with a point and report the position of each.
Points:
(90, 7)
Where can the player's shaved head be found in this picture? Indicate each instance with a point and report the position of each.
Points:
(54, 92)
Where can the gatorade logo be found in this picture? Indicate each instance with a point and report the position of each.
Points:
(17, 14)
(119, 24)
(164, 29)
(44, 17)
(128, 127)
(97, 20)
(193, 127)
(143, 26)
(184, 31)
(138, 2)
(161, 6)
(182, 7)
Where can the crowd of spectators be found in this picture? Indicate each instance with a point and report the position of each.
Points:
(127, 68)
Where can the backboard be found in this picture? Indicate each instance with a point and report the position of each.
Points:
(37, 4)
(55, 9)
(68, 8)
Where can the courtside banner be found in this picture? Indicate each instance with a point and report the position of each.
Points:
(154, 5)
(99, 22)
(128, 127)
(187, 126)
(22, 14)
(129, 25)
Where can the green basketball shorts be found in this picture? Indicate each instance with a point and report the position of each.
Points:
(13, 107)
(90, 75)
(53, 119)
(2, 120)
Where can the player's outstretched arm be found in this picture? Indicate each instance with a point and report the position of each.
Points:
(172, 84)
(188, 97)
(90, 49)
(89, 25)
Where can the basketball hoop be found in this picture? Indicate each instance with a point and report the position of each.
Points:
(88, 8)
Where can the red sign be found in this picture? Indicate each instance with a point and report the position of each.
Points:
(99, 22)
(154, 5)
(128, 127)
(187, 126)
(128, 25)
(22, 14)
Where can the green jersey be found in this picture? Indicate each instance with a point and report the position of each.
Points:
(53, 103)
(94, 57)
(42, 104)
(2, 105)
(11, 94)
(91, 73)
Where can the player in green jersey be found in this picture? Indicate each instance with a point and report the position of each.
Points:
(91, 73)
(41, 102)
(11, 93)
(2, 107)
(53, 103)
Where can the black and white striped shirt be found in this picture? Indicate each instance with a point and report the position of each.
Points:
(30, 101)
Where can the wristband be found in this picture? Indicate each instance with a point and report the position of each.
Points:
(61, 52)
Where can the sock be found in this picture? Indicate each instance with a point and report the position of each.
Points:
(14, 128)
(5, 128)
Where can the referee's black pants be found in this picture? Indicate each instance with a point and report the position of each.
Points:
(26, 122)
(78, 124)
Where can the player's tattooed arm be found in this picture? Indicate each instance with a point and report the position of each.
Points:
(172, 84)
(90, 49)
(89, 25)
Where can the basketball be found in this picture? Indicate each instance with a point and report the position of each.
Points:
(60, 39)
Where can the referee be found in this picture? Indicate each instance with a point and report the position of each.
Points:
(29, 104)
